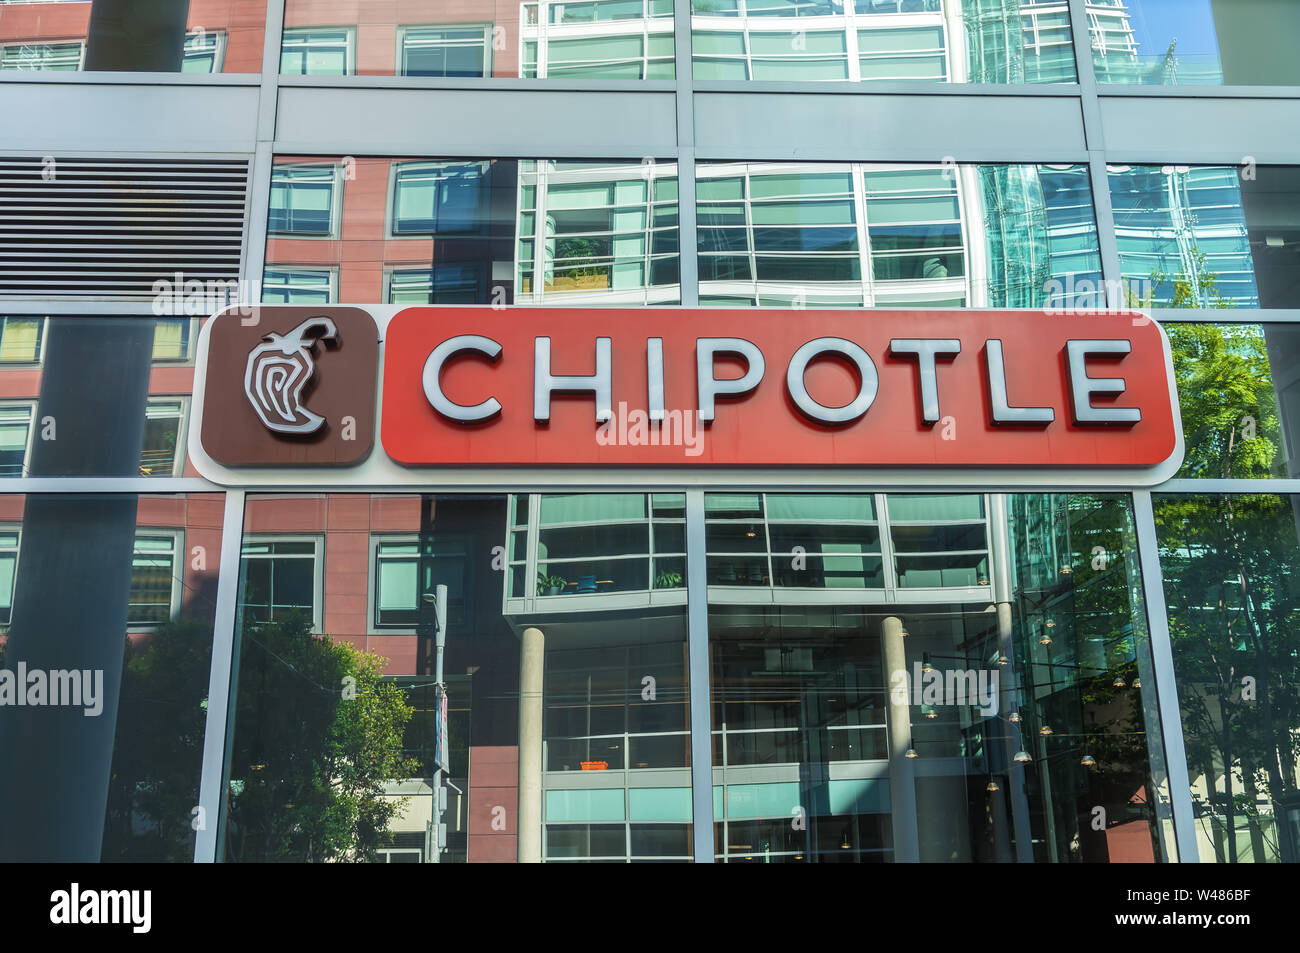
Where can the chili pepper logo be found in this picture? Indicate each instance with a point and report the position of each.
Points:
(280, 368)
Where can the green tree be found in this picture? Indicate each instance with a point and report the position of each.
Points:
(318, 733)
(1227, 561)
(158, 750)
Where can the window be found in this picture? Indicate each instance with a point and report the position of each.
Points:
(602, 233)
(1195, 42)
(1208, 236)
(849, 235)
(21, 339)
(303, 200)
(155, 578)
(834, 539)
(42, 56)
(313, 51)
(939, 541)
(397, 592)
(164, 429)
(440, 284)
(205, 51)
(289, 285)
(15, 433)
(915, 230)
(172, 338)
(605, 39)
(9, 537)
(595, 543)
(439, 198)
(282, 575)
(889, 40)
(445, 50)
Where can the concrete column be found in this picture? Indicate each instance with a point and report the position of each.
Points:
(902, 776)
(532, 652)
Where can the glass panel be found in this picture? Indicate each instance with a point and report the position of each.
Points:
(97, 594)
(596, 39)
(1208, 236)
(79, 376)
(472, 231)
(897, 726)
(897, 40)
(786, 239)
(218, 37)
(1195, 42)
(1229, 565)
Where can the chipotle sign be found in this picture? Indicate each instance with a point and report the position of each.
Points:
(691, 388)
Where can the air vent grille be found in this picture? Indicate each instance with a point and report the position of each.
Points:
(110, 228)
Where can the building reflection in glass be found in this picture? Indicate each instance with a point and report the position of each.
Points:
(957, 41)
(910, 236)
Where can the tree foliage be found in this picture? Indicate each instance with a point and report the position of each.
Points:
(318, 733)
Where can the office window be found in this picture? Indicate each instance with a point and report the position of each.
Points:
(315, 51)
(282, 575)
(205, 51)
(939, 540)
(163, 435)
(1208, 236)
(793, 540)
(20, 340)
(398, 590)
(9, 537)
(303, 200)
(64, 57)
(592, 543)
(869, 234)
(171, 339)
(908, 53)
(604, 232)
(439, 198)
(605, 39)
(15, 431)
(883, 40)
(284, 285)
(445, 50)
(439, 284)
(155, 579)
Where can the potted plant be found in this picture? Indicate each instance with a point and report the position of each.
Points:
(549, 585)
(668, 580)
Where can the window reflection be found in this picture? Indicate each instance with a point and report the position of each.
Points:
(1208, 236)
(866, 235)
(35, 351)
(883, 40)
(486, 231)
(214, 36)
(1228, 564)
(925, 722)
(124, 586)
(1193, 42)
(544, 39)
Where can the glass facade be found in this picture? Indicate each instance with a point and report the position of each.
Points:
(827, 668)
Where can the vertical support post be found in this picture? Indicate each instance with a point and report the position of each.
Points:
(1162, 659)
(902, 775)
(697, 607)
(222, 685)
(532, 655)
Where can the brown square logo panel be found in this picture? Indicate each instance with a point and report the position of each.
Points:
(290, 386)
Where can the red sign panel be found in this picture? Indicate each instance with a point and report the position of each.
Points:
(750, 388)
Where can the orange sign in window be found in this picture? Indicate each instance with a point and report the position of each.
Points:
(594, 765)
